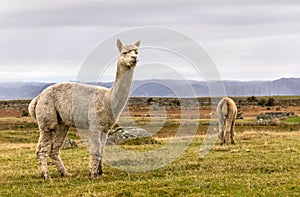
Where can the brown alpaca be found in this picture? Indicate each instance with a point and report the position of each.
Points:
(226, 112)
(85, 107)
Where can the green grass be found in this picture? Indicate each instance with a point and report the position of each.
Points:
(260, 164)
(292, 120)
(14, 123)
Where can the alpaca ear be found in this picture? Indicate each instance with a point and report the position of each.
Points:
(137, 43)
(119, 44)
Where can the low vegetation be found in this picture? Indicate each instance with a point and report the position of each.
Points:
(262, 163)
(293, 120)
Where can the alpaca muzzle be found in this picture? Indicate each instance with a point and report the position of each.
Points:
(134, 60)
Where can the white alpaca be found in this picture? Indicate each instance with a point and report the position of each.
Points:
(86, 107)
(226, 112)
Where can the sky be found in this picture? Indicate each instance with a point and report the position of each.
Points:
(48, 41)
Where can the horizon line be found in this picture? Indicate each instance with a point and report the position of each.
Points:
(250, 80)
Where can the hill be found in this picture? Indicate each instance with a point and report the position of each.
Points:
(169, 88)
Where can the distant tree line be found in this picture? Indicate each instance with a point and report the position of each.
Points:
(262, 102)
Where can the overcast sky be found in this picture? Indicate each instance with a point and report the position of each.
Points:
(247, 39)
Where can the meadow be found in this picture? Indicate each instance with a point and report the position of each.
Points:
(262, 163)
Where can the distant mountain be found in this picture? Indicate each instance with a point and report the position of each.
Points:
(169, 88)
(283, 86)
(21, 90)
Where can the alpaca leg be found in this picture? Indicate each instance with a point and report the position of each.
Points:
(226, 138)
(43, 148)
(100, 171)
(102, 146)
(58, 140)
(96, 157)
(227, 130)
(232, 132)
(98, 142)
(94, 165)
(220, 129)
(222, 126)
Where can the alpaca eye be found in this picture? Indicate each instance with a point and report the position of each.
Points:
(124, 53)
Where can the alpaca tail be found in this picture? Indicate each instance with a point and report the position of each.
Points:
(31, 107)
(224, 108)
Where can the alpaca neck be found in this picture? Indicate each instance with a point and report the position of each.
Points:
(121, 89)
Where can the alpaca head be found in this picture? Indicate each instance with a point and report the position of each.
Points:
(128, 54)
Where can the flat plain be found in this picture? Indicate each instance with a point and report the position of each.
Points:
(264, 162)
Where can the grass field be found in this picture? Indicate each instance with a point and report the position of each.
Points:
(262, 163)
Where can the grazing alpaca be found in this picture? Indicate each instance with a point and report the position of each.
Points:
(226, 112)
(86, 107)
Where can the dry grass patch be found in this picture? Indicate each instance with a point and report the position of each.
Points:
(260, 164)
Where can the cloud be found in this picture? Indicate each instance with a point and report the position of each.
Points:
(136, 13)
(260, 58)
(44, 73)
(241, 36)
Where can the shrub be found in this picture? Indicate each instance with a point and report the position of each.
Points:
(262, 102)
(25, 113)
(271, 102)
(277, 108)
(252, 99)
